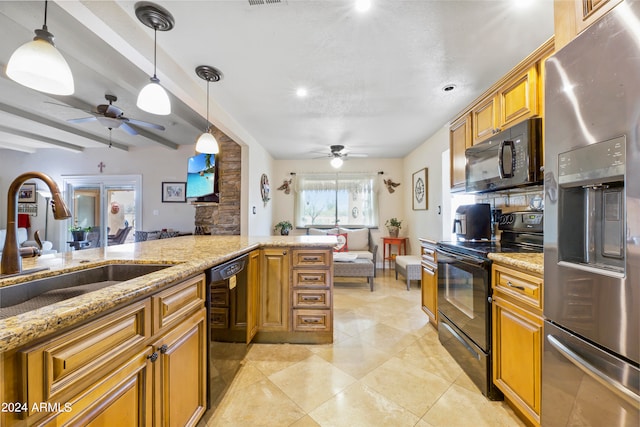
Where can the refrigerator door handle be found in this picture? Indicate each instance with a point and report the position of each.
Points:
(615, 386)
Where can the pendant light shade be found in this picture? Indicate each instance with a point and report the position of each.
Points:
(336, 162)
(38, 64)
(206, 142)
(153, 98)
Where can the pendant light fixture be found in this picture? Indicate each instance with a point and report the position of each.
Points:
(38, 64)
(206, 142)
(153, 98)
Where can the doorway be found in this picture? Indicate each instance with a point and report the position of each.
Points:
(107, 207)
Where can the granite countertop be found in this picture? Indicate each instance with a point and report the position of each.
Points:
(533, 263)
(189, 255)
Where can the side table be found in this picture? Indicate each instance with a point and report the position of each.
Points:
(400, 242)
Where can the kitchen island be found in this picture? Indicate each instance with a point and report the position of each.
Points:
(189, 255)
(137, 350)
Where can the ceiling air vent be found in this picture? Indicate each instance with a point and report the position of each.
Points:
(261, 2)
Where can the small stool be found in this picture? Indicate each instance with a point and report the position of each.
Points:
(409, 267)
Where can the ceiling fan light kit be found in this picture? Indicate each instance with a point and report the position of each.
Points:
(336, 162)
(206, 142)
(39, 65)
(153, 98)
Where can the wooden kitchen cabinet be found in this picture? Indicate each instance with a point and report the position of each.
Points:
(274, 290)
(144, 364)
(572, 17)
(429, 283)
(517, 338)
(459, 141)
(516, 100)
(180, 373)
(312, 292)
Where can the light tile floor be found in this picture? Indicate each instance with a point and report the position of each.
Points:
(386, 367)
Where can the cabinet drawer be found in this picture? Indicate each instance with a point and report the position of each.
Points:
(177, 302)
(311, 320)
(311, 257)
(61, 366)
(522, 286)
(312, 298)
(312, 278)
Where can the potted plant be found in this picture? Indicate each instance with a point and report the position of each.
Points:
(393, 225)
(284, 226)
(79, 233)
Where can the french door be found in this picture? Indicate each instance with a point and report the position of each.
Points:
(108, 207)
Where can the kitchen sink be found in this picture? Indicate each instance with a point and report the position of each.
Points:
(27, 296)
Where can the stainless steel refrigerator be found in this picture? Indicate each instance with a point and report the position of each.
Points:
(591, 350)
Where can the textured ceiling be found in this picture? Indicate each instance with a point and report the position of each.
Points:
(374, 80)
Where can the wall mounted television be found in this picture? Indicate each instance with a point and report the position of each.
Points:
(202, 178)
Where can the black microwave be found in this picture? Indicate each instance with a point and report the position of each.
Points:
(511, 158)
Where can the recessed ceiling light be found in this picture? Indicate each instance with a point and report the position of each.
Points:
(449, 88)
(301, 92)
(363, 5)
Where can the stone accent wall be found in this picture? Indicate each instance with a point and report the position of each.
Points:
(223, 218)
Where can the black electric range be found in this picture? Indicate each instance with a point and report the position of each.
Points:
(464, 293)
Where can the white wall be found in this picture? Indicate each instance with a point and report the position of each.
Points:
(426, 223)
(155, 164)
(257, 162)
(390, 204)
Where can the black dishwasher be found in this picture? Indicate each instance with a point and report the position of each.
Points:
(227, 294)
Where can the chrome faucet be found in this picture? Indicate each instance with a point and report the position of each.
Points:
(11, 259)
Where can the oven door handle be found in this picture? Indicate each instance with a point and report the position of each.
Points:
(472, 261)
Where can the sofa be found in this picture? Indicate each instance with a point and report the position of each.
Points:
(358, 241)
(23, 235)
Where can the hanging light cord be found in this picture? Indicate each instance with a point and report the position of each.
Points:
(46, 3)
(155, 47)
(207, 128)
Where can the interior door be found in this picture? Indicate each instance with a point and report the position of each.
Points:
(108, 205)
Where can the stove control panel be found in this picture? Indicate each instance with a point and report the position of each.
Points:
(522, 221)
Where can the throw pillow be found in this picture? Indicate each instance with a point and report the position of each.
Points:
(358, 238)
(342, 243)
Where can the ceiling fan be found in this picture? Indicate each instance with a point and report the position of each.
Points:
(113, 117)
(339, 151)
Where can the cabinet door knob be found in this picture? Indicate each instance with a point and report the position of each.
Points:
(284, 252)
(153, 356)
(163, 349)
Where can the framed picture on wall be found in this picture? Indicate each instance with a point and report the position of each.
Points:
(27, 193)
(174, 192)
(420, 190)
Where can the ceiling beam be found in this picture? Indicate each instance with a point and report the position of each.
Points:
(40, 138)
(42, 120)
(11, 146)
(155, 138)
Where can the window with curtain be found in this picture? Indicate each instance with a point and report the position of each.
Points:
(330, 199)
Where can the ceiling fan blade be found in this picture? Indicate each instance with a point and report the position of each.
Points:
(145, 124)
(128, 129)
(355, 155)
(82, 120)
